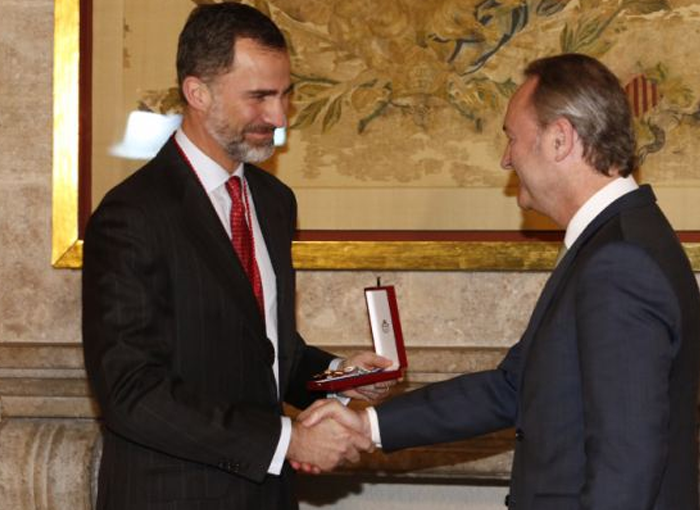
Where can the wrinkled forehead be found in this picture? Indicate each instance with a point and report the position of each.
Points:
(521, 101)
(522, 98)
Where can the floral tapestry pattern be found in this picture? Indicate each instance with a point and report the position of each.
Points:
(408, 94)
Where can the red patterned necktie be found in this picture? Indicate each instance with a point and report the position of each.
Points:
(242, 238)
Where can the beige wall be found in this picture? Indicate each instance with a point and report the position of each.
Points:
(36, 303)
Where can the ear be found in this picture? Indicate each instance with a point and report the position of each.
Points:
(563, 138)
(197, 93)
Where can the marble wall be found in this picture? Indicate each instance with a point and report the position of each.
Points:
(37, 304)
(451, 309)
(49, 439)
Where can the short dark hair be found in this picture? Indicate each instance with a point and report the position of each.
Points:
(586, 93)
(206, 44)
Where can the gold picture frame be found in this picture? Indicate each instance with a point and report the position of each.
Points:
(401, 254)
(66, 250)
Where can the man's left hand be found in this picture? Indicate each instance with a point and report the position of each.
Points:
(368, 360)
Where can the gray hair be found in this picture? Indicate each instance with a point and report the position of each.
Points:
(586, 93)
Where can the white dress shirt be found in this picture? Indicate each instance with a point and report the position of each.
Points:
(595, 205)
(213, 178)
(583, 217)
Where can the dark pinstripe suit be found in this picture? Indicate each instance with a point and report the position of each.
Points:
(176, 349)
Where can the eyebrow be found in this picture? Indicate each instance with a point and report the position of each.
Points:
(270, 92)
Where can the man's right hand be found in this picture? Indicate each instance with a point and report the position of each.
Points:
(332, 409)
(321, 443)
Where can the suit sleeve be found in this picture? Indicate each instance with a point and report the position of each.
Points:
(310, 361)
(463, 407)
(128, 333)
(628, 322)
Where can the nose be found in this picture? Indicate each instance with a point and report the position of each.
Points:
(505, 159)
(276, 112)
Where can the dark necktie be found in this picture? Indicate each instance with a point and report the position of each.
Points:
(242, 238)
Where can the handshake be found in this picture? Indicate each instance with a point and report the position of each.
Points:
(328, 434)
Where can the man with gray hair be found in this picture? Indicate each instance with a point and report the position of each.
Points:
(602, 386)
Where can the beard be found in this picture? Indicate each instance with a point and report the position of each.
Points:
(233, 140)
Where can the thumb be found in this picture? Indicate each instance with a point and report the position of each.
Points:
(314, 413)
(380, 361)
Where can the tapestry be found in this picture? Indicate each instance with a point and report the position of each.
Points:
(397, 111)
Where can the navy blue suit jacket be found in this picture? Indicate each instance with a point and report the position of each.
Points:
(602, 387)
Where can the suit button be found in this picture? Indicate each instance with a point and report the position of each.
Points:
(229, 467)
(519, 435)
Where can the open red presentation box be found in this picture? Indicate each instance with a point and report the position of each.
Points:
(387, 337)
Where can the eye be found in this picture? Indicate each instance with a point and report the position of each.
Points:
(259, 95)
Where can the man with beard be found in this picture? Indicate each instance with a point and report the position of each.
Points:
(188, 296)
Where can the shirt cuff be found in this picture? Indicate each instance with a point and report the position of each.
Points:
(282, 447)
(335, 363)
(339, 397)
(374, 426)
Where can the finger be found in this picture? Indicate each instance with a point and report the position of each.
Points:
(348, 418)
(350, 452)
(367, 359)
(369, 392)
(328, 410)
(339, 413)
(352, 455)
(310, 468)
(356, 394)
(360, 442)
(314, 413)
(371, 396)
(312, 407)
(375, 360)
(309, 419)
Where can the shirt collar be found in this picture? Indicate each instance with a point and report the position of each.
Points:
(595, 205)
(210, 173)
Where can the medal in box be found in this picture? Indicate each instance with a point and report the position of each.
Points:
(385, 325)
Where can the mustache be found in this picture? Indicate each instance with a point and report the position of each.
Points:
(261, 129)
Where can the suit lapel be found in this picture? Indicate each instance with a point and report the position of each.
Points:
(273, 222)
(641, 197)
(210, 238)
